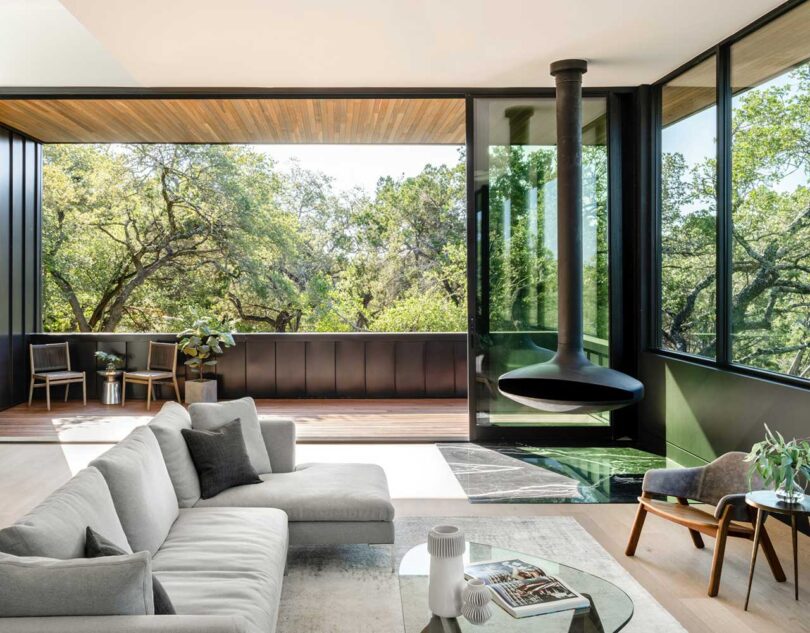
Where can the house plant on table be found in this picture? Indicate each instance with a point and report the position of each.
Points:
(202, 343)
(781, 464)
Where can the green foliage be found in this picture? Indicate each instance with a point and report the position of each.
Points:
(204, 341)
(111, 361)
(770, 206)
(778, 462)
(145, 237)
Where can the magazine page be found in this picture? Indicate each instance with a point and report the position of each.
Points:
(542, 591)
(495, 572)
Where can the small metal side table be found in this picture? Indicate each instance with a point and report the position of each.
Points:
(110, 389)
(766, 502)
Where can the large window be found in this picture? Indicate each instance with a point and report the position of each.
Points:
(144, 238)
(770, 205)
(689, 211)
(746, 187)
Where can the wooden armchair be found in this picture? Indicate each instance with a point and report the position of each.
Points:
(50, 365)
(723, 484)
(161, 363)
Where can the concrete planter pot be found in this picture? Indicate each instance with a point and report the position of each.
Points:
(201, 391)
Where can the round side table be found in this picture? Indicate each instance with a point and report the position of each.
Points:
(110, 389)
(766, 502)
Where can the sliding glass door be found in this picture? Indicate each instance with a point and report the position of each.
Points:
(515, 258)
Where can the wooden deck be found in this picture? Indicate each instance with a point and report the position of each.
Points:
(394, 420)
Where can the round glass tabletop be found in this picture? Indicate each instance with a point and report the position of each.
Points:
(611, 608)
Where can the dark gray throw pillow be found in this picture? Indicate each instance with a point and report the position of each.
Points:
(220, 458)
(96, 546)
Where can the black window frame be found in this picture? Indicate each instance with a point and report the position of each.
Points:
(723, 355)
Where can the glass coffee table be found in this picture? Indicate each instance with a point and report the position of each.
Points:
(611, 608)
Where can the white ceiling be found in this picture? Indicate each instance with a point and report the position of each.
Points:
(355, 43)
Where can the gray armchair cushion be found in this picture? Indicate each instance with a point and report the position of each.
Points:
(167, 426)
(209, 416)
(141, 489)
(114, 585)
(56, 527)
(721, 483)
(279, 440)
(129, 624)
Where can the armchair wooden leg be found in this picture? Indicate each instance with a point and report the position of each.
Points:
(67, 391)
(123, 391)
(719, 553)
(48, 394)
(84, 388)
(635, 532)
(148, 394)
(31, 392)
(771, 557)
(176, 388)
(697, 539)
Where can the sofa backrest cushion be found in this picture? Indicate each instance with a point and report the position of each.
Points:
(209, 416)
(141, 489)
(114, 585)
(56, 527)
(167, 426)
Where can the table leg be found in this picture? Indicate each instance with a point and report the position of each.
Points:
(793, 529)
(757, 534)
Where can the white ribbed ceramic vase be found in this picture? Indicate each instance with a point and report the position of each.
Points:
(475, 602)
(446, 547)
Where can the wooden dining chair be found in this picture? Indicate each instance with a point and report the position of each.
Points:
(722, 484)
(50, 366)
(161, 364)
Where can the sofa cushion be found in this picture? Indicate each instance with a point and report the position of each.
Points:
(141, 489)
(166, 426)
(96, 546)
(115, 585)
(317, 492)
(56, 527)
(209, 416)
(254, 595)
(226, 539)
(220, 458)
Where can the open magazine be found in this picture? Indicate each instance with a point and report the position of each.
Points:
(523, 589)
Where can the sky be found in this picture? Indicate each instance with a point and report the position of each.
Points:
(362, 165)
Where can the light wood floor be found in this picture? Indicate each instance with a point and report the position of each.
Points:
(392, 420)
(666, 563)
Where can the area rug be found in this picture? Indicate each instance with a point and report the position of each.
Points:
(351, 588)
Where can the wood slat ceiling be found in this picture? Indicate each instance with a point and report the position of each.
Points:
(238, 120)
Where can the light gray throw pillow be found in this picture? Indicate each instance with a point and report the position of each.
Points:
(141, 489)
(113, 585)
(56, 527)
(167, 426)
(209, 416)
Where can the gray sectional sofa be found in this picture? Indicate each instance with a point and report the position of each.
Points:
(221, 560)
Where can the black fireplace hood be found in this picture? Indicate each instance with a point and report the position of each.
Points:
(569, 382)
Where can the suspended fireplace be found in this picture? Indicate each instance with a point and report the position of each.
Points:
(569, 382)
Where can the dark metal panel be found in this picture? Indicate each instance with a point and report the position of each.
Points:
(350, 368)
(440, 368)
(30, 237)
(460, 364)
(380, 368)
(320, 368)
(231, 372)
(260, 368)
(410, 368)
(291, 379)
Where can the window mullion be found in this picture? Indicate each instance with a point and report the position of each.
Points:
(724, 219)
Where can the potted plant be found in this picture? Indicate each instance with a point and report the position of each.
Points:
(202, 343)
(111, 361)
(781, 464)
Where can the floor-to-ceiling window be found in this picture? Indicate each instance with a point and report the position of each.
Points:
(516, 247)
(735, 172)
